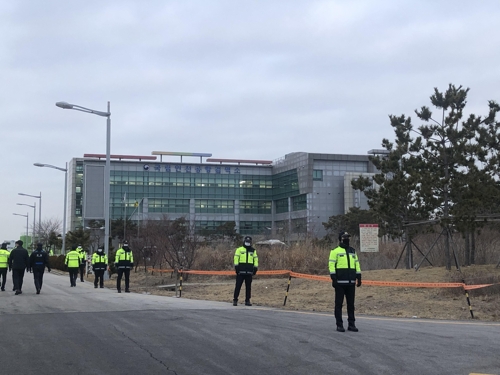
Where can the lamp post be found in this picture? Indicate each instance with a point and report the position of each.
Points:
(34, 214)
(65, 170)
(107, 114)
(39, 210)
(26, 216)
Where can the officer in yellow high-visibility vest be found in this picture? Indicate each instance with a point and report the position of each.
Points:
(99, 266)
(246, 265)
(72, 261)
(124, 262)
(83, 261)
(4, 264)
(345, 273)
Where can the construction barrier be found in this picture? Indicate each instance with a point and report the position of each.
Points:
(292, 274)
(327, 278)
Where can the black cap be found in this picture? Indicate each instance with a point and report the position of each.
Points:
(343, 235)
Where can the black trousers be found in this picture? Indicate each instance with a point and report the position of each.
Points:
(82, 271)
(121, 272)
(38, 277)
(99, 277)
(3, 274)
(248, 286)
(17, 279)
(347, 291)
(73, 275)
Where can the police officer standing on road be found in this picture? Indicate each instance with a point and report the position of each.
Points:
(124, 262)
(39, 259)
(345, 273)
(72, 261)
(83, 261)
(246, 264)
(4, 264)
(19, 261)
(99, 266)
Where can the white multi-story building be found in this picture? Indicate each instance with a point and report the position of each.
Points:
(295, 193)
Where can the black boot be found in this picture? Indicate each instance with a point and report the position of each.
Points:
(247, 303)
(235, 302)
(340, 329)
(352, 327)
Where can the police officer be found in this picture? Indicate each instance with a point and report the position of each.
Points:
(72, 261)
(4, 264)
(246, 264)
(124, 262)
(39, 259)
(83, 261)
(345, 273)
(99, 266)
(19, 261)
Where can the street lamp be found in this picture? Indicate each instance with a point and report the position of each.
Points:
(39, 210)
(65, 170)
(34, 214)
(107, 114)
(26, 216)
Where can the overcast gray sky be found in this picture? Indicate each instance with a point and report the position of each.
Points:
(238, 79)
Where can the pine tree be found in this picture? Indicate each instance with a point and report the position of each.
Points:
(442, 173)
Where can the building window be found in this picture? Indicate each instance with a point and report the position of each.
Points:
(282, 206)
(299, 225)
(254, 227)
(317, 175)
(255, 207)
(299, 202)
(214, 206)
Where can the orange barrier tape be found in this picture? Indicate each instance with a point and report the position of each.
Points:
(470, 287)
(276, 272)
(383, 283)
(309, 277)
(413, 285)
(230, 273)
(160, 270)
(327, 278)
(194, 272)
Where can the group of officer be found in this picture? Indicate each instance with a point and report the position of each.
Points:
(76, 261)
(18, 261)
(343, 264)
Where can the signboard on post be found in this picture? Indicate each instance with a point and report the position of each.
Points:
(368, 238)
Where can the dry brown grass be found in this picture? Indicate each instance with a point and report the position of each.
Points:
(307, 295)
(310, 295)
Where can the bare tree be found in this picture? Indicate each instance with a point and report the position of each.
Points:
(47, 229)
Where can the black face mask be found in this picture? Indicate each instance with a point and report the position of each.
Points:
(345, 241)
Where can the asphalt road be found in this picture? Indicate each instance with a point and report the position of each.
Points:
(84, 330)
